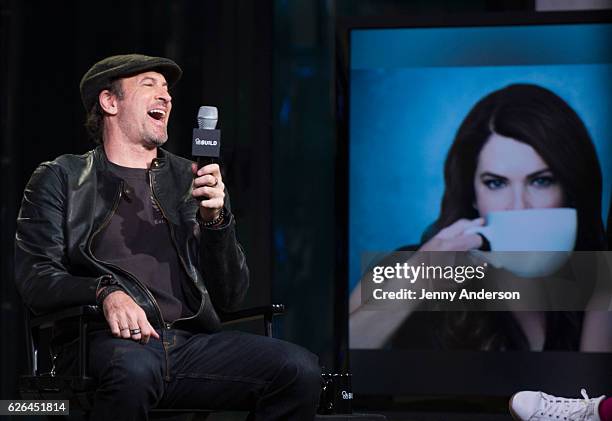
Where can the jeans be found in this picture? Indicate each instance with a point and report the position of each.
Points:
(273, 379)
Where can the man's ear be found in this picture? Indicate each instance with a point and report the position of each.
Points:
(108, 102)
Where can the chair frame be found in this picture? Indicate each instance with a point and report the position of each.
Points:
(37, 385)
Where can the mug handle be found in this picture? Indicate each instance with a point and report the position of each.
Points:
(485, 231)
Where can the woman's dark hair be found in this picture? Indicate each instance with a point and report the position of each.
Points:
(94, 122)
(540, 118)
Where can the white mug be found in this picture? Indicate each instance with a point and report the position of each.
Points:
(529, 242)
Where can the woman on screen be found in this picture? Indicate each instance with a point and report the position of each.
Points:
(519, 147)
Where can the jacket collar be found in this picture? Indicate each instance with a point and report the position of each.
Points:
(101, 160)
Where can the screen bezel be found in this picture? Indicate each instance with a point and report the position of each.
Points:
(405, 372)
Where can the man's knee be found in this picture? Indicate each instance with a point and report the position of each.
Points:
(300, 370)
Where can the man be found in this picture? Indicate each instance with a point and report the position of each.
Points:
(151, 239)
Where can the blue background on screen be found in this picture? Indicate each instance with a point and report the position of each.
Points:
(403, 120)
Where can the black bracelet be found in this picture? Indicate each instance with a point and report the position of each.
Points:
(106, 291)
(107, 280)
(214, 222)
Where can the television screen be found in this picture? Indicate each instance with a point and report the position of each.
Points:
(456, 131)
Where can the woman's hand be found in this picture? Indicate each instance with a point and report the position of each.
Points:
(373, 329)
(454, 238)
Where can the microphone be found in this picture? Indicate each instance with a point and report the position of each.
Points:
(206, 140)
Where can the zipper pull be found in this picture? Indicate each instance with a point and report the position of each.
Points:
(127, 191)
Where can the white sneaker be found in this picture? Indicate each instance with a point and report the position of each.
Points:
(539, 406)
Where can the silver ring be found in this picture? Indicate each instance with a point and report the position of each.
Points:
(135, 331)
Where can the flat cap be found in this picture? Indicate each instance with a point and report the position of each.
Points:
(103, 73)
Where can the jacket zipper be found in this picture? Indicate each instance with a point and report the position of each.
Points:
(172, 236)
(147, 292)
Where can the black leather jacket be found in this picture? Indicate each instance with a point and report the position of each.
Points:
(69, 200)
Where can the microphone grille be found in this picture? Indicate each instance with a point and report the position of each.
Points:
(207, 117)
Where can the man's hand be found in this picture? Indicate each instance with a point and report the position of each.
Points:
(124, 315)
(208, 188)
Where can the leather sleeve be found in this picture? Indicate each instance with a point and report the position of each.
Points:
(223, 264)
(41, 263)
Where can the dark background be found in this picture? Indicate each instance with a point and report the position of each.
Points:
(269, 68)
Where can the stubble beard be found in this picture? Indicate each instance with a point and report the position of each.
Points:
(156, 140)
(150, 137)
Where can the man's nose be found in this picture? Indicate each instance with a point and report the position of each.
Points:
(164, 95)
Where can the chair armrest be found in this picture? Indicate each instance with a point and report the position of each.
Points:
(266, 312)
(94, 311)
(90, 311)
(252, 313)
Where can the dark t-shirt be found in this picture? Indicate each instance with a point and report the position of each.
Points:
(137, 239)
